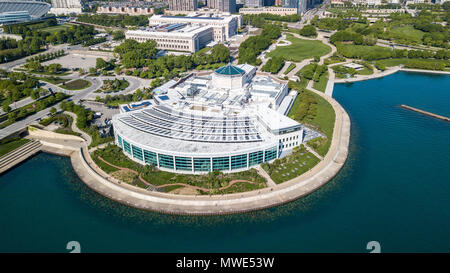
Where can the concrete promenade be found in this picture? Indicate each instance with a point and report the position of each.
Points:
(275, 195)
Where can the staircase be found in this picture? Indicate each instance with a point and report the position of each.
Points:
(18, 155)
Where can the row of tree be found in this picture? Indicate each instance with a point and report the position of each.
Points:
(47, 56)
(142, 57)
(113, 20)
(15, 50)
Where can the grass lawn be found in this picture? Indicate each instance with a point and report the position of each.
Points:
(320, 117)
(54, 29)
(76, 84)
(12, 144)
(300, 49)
(290, 68)
(356, 51)
(291, 166)
(364, 71)
(407, 32)
(321, 85)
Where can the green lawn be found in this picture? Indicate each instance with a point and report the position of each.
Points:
(407, 32)
(54, 29)
(290, 68)
(320, 116)
(364, 71)
(76, 84)
(300, 49)
(291, 166)
(321, 85)
(10, 145)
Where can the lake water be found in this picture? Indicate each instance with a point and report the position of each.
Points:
(394, 189)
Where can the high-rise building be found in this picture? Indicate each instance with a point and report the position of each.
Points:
(254, 3)
(223, 5)
(289, 3)
(183, 5)
(300, 5)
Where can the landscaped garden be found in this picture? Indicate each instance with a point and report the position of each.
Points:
(11, 144)
(212, 183)
(77, 84)
(290, 68)
(315, 112)
(300, 49)
(115, 85)
(64, 122)
(321, 84)
(291, 166)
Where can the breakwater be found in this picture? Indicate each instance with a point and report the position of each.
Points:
(425, 112)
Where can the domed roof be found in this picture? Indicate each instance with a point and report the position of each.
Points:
(230, 70)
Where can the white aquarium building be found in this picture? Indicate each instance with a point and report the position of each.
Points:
(230, 120)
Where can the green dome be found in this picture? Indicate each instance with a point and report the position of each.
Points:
(230, 70)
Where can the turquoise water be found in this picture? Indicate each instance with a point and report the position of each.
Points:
(394, 189)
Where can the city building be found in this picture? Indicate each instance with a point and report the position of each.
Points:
(175, 37)
(224, 26)
(222, 5)
(66, 6)
(125, 10)
(270, 10)
(183, 5)
(229, 120)
(254, 3)
(22, 11)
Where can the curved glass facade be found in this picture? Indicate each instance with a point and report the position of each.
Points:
(196, 164)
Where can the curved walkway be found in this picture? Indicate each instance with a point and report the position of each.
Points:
(78, 130)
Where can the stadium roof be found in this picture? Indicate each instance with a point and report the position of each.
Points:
(36, 9)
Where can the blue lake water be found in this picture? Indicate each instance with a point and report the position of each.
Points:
(394, 188)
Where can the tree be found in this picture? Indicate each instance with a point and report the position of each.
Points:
(5, 107)
(100, 63)
(92, 70)
(308, 31)
(53, 110)
(118, 35)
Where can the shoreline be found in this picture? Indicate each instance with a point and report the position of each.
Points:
(388, 72)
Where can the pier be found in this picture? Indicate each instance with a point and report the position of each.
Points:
(425, 112)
